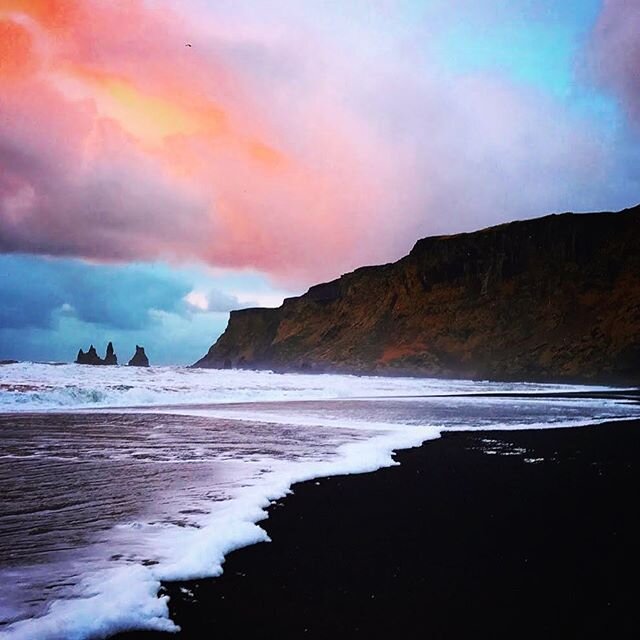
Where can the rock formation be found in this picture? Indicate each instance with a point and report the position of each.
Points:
(110, 357)
(92, 357)
(139, 359)
(553, 298)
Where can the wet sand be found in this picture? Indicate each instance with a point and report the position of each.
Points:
(487, 534)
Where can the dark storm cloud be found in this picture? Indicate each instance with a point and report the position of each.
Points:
(35, 291)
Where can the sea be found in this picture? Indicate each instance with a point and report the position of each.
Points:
(115, 479)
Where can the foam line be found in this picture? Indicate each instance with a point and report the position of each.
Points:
(127, 598)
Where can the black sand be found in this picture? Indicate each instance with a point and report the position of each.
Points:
(453, 543)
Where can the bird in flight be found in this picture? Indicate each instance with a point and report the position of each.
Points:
(188, 44)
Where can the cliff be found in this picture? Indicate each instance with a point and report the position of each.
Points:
(553, 298)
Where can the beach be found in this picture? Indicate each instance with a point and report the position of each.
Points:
(144, 501)
(520, 533)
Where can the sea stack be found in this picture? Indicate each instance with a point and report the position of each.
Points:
(110, 357)
(139, 359)
(92, 357)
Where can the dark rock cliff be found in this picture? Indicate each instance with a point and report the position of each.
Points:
(554, 298)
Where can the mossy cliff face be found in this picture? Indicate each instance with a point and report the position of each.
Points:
(555, 298)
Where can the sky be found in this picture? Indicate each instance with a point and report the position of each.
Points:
(163, 162)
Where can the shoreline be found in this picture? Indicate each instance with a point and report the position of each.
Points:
(528, 533)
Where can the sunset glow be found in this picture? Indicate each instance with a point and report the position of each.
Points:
(301, 140)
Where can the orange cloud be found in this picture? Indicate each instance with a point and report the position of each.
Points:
(185, 122)
(54, 14)
(204, 132)
(285, 152)
(150, 117)
(16, 55)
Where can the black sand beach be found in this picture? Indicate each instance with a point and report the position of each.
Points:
(489, 534)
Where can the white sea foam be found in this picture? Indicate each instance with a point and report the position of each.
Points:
(113, 600)
(28, 387)
(107, 603)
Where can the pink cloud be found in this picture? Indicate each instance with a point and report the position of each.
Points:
(301, 151)
(615, 52)
(75, 184)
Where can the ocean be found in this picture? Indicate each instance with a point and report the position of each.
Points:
(115, 479)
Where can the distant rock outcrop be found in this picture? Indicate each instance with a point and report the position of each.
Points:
(139, 359)
(111, 357)
(554, 298)
(92, 357)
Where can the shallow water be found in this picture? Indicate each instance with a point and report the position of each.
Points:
(100, 502)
